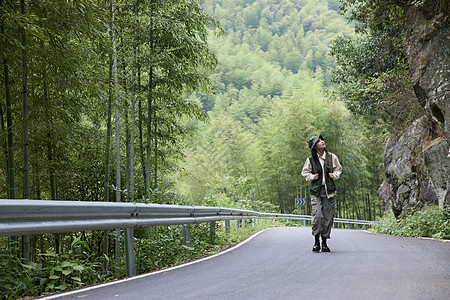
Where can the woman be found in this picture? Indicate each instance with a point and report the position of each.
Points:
(321, 169)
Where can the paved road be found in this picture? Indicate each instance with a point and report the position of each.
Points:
(279, 264)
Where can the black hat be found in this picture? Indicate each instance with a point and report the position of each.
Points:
(313, 140)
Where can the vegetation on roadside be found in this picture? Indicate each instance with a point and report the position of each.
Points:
(428, 222)
(53, 271)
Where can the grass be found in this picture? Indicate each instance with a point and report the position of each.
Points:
(429, 222)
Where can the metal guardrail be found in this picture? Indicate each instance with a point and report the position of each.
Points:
(25, 217)
(20, 217)
(308, 218)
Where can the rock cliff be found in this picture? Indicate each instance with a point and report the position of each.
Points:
(416, 161)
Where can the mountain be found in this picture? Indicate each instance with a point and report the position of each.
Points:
(268, 42)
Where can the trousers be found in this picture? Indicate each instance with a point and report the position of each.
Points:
(322, 214)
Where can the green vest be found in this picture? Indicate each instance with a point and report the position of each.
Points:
(316, 185)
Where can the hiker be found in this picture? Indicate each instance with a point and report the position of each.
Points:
(321, 169)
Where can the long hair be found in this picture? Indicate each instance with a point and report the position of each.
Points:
(315, 157)
(317, 164)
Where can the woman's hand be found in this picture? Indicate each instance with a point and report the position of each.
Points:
(316, 176)
(331, 175)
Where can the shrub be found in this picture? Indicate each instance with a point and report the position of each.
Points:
(429, 222)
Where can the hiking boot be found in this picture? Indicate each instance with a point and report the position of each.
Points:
(316, 247)
(324, 246)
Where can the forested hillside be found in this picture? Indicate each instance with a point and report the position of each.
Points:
(294, 35)
(274, 68)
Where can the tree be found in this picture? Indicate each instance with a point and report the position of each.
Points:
(26, 180)
(369, 61)
(9, 132)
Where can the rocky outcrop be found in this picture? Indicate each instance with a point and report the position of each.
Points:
(416, 161)
(414, 174)
(427, 47)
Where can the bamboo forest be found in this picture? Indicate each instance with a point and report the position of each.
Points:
(183, 102)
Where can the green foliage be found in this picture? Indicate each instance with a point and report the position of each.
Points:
(293, 34)
(159, 247)
(62, 65)
(57, 272)
(15, 278)
(428, 222)
(67, 53)
(372, 73)
(244, 157)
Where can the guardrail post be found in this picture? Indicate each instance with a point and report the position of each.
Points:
(129, 252)
(227, 226)
(236, 224)
(26, 249)
(105, 250)
(253, 222)
(212, 229)
(187, 239)
(117, 250)
(243, 223)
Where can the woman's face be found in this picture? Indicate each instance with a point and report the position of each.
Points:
(320, 145)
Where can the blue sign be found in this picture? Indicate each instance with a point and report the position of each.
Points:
(300, 201)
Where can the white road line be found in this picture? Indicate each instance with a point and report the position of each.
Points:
(152, 273)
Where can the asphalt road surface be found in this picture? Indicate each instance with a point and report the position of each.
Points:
(279, 264)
